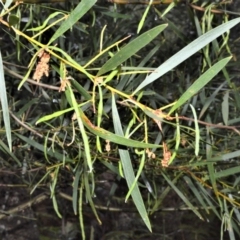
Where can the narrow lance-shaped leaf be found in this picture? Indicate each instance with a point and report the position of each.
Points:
(130, 49)
(225, 108)
(187, 51)
(75, 15)
(181, 195)
(197, 131)
(4, 103)
(200, 83)
(128, 169)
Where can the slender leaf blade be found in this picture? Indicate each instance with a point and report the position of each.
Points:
(187, 51)
(197, 131)
(4, 103)
(128, 169)
(200, 83)
(75, 15)
(130, 49)
(181, 195)
(225, 108)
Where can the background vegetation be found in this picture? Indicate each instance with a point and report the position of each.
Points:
(125, 116)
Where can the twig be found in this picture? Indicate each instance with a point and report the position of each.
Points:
(23, 206)
(234, 128)
(25, 125)
(30, 80)
(156, 115)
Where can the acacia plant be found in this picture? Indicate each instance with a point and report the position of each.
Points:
(93, 94)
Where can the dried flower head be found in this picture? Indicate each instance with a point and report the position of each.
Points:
(42, 66)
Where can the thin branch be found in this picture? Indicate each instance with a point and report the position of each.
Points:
(30, 80)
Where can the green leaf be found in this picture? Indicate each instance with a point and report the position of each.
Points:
(197, 131)
(210, 100)
(75, 15)
(140, 25)
(225, 157)
(128, 169)
(102, 132)
(186, 52)
(181, 195)
(76, 184)
(177, 141)
(195, 192)
(74, 103)
(4, 103)
(40, 147)
(41, 27)
(130, 49)
(55, 206)
(200, 83)
(13, 19)
(54, 115)
(225, 108)
(140, 169)
(4, 148)
(228, 172)
(8, 3)
(208, 198)
(88, 195)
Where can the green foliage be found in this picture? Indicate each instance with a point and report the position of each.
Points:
(4, 103)
(111, 103)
